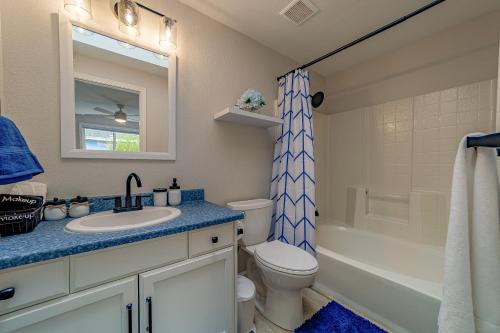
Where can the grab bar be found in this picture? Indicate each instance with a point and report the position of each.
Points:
(489, 140)
(380, 195)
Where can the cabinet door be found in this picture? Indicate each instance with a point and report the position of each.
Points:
(194, 296)
(109, 308)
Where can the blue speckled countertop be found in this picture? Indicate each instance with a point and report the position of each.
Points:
(50, 240)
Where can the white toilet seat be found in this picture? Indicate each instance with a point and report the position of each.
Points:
(285, 258)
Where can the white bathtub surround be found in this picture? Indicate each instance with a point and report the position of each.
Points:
(403, 148)
(293, 182)
(471, 285)
(398, 215)
(396, 284)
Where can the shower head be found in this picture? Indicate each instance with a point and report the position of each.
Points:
(317, 99)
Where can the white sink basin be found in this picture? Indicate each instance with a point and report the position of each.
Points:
(109, 221)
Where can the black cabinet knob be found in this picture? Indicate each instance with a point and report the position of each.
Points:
(7, 293)
(215, 239)
(239, 231)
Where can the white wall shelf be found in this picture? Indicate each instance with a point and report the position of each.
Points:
(235, 115)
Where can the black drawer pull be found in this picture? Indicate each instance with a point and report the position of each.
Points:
(129, 314)
(239, 231)
(7, 293)
(150, 315)
(215, 239)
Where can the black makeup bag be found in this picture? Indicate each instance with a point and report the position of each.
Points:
(19, 213)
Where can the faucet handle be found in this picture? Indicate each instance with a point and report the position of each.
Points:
(118, 201)
(138, 201)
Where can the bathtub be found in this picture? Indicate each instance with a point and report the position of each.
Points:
(392, 282)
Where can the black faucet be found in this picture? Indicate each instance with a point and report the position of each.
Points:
(128, 197)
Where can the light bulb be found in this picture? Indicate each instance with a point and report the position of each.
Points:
(168, 34)
(128, 17)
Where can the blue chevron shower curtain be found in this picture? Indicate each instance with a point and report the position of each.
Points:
(293, 182)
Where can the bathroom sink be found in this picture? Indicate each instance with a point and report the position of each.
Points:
(109, 221)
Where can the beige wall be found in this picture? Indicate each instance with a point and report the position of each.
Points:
(215, 65)
(456, 56)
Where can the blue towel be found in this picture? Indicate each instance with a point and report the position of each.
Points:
(17, 162)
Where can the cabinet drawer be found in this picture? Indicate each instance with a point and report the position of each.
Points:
(90, 269)
(34, 283)
(210, 239)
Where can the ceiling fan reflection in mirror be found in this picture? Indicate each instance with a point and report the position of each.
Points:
(119, 116)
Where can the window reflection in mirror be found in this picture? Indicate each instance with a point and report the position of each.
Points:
(121, 95)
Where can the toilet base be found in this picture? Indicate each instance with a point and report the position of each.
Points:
(283, 308)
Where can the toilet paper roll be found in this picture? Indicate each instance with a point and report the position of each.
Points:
(240, 230)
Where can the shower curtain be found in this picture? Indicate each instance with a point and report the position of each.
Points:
(293, 182)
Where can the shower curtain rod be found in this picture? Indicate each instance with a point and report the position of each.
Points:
(489, 140)
(367, 36)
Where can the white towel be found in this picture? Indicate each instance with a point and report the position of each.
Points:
(471, 283)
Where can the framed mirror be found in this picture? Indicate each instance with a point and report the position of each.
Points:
(118, 98)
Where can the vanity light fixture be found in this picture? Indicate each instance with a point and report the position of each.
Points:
(127, 13)
(81, 9)
(168, 34)
(128, 17)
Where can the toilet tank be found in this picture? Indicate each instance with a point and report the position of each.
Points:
(257, 222)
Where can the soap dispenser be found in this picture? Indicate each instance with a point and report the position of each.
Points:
(174, 194)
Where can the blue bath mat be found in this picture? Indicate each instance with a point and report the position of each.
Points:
(334, 318)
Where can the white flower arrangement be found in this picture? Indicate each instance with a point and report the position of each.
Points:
(251, 100)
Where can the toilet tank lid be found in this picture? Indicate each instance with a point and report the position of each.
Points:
(250, 204)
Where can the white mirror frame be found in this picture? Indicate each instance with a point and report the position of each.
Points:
(67, 91)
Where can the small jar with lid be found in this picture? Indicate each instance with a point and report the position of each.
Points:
(55, 210)
(160, 197)
(79, 206)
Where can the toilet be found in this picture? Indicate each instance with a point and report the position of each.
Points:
(285, 269)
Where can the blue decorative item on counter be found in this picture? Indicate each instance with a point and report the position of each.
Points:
(251, 100)
(17, 162)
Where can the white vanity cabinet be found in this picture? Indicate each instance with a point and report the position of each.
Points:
(196, 295)
(110, 308)
(157, 285)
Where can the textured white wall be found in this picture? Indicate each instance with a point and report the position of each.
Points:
(215, 65)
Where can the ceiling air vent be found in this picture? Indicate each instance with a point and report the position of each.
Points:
(299, 11)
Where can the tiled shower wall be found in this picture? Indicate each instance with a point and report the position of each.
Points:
(405, 148)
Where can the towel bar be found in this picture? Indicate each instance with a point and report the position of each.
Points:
(489, 140)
